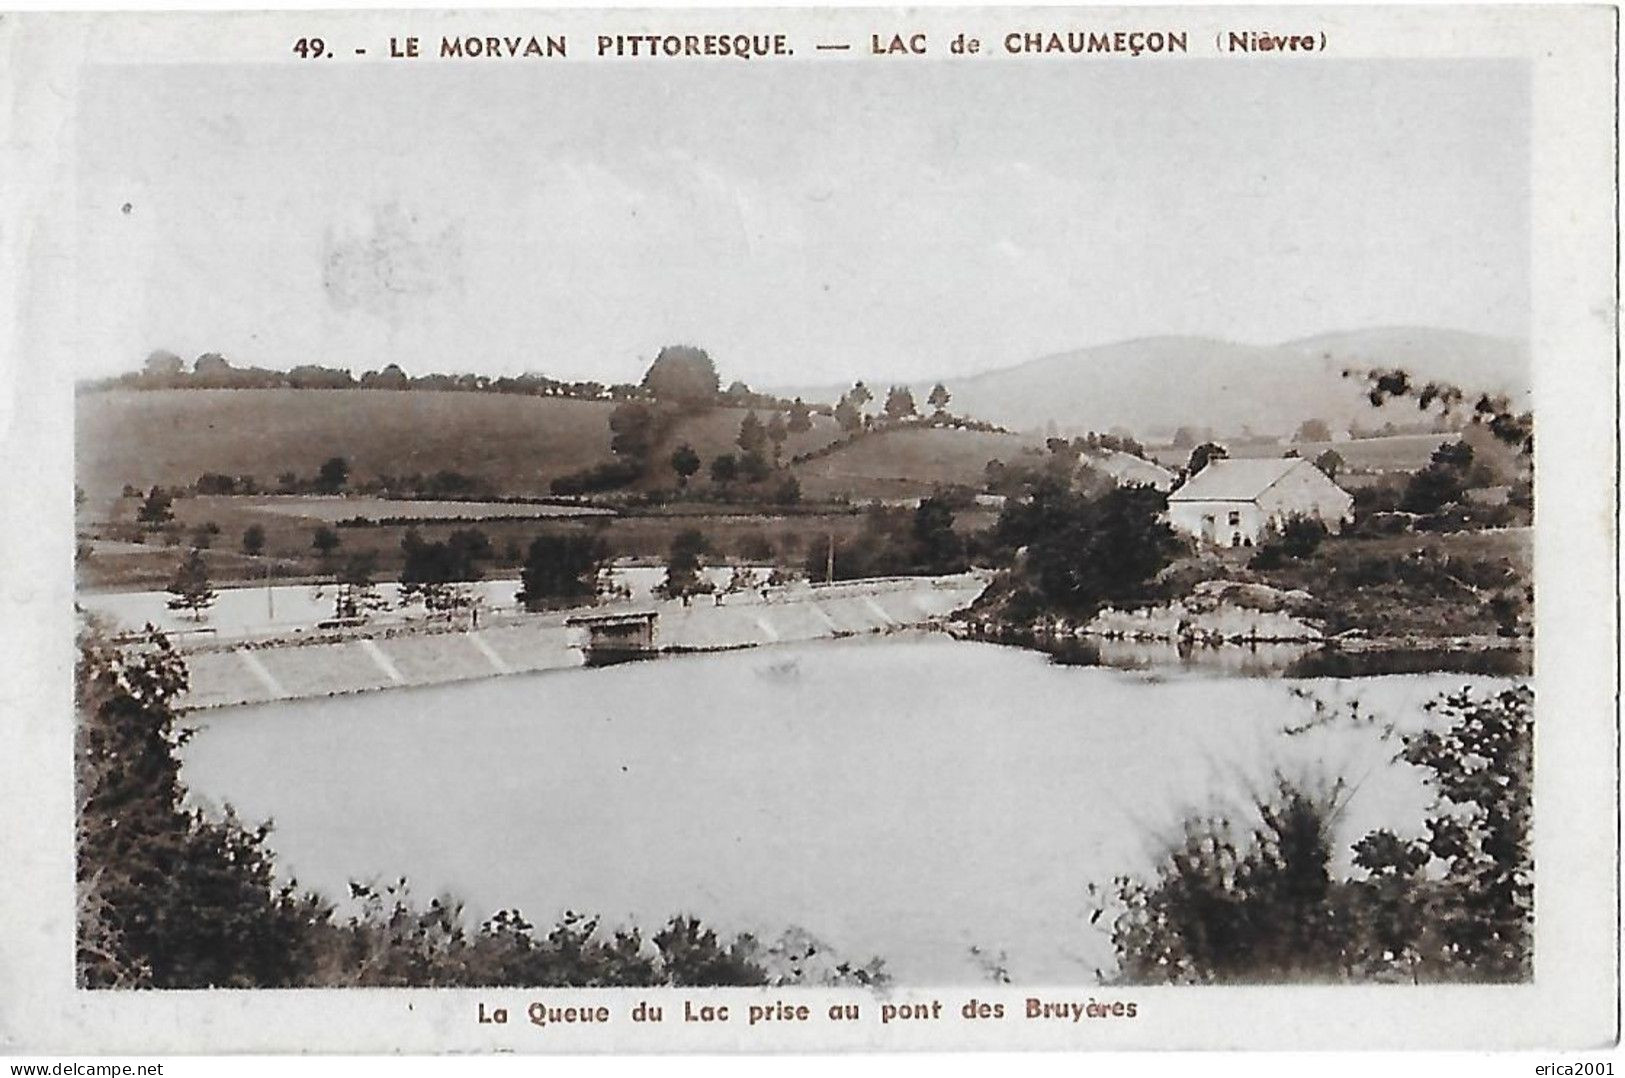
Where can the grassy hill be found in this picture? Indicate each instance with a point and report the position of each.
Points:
(515, 444)
(907, 463)
(714, 432)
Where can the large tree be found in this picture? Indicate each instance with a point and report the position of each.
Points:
(899, 403)
(1331, 462)
(156, 509)
(1203, 455)
(163, 364)
(685, 462)
(847, 415)
(725, 469)
(561, 567)
(752, 435)
(1085, 552)
(324, 541)
(684, 562)
(211, 365)
(1441, 482)
(800, 417)
(1313, 430)
(190, 588)
(632, 431)
(357, 594)
(391, 377)
(333, 474)
(777, 432)
(937, 548)
(438, 573)
(683, 375)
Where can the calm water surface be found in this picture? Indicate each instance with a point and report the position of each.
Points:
(908, 797)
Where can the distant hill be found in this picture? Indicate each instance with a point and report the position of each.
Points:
(1156, 384)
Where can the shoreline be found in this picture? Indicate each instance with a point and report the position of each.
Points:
(1346, 655)
(349, 661)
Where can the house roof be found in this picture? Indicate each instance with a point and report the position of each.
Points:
(1127, 468)
(1236, 480)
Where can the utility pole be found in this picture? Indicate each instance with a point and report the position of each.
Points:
(829, 564)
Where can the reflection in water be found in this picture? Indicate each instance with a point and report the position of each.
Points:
(911, 797)
(1262, 659)
(1236, 660)
(1492, 662)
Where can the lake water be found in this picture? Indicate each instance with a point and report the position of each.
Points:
(909, 797)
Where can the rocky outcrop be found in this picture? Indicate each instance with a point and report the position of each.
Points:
(1216, 611)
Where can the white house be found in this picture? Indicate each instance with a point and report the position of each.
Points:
(1233, 502)
(1126, 468)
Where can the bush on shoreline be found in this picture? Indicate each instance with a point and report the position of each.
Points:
(1454, 903)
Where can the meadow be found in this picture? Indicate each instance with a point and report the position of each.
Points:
(1391, 453)
(908, 463)
(335, 509)
(733, 534)
(512, 445)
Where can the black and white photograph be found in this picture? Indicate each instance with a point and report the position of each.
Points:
(920, 526)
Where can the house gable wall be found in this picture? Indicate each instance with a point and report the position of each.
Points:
(1305, 491)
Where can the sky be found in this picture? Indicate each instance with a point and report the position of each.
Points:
(806, 223)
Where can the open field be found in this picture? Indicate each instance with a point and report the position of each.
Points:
(733, 535)
(1395, 453)
(1515, 545)
(170, 437)
(514, 445)
(908, 463)
(335, 509)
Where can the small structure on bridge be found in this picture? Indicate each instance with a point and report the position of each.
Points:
(618, 637)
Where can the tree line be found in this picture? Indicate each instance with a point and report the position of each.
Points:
(677, 375)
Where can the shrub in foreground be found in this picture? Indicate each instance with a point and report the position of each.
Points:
(1454, 902)
(169, 897)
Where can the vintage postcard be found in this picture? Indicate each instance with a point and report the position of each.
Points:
(809, 530)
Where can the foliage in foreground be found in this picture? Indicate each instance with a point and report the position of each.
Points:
(1455, 903)
(171, 898)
